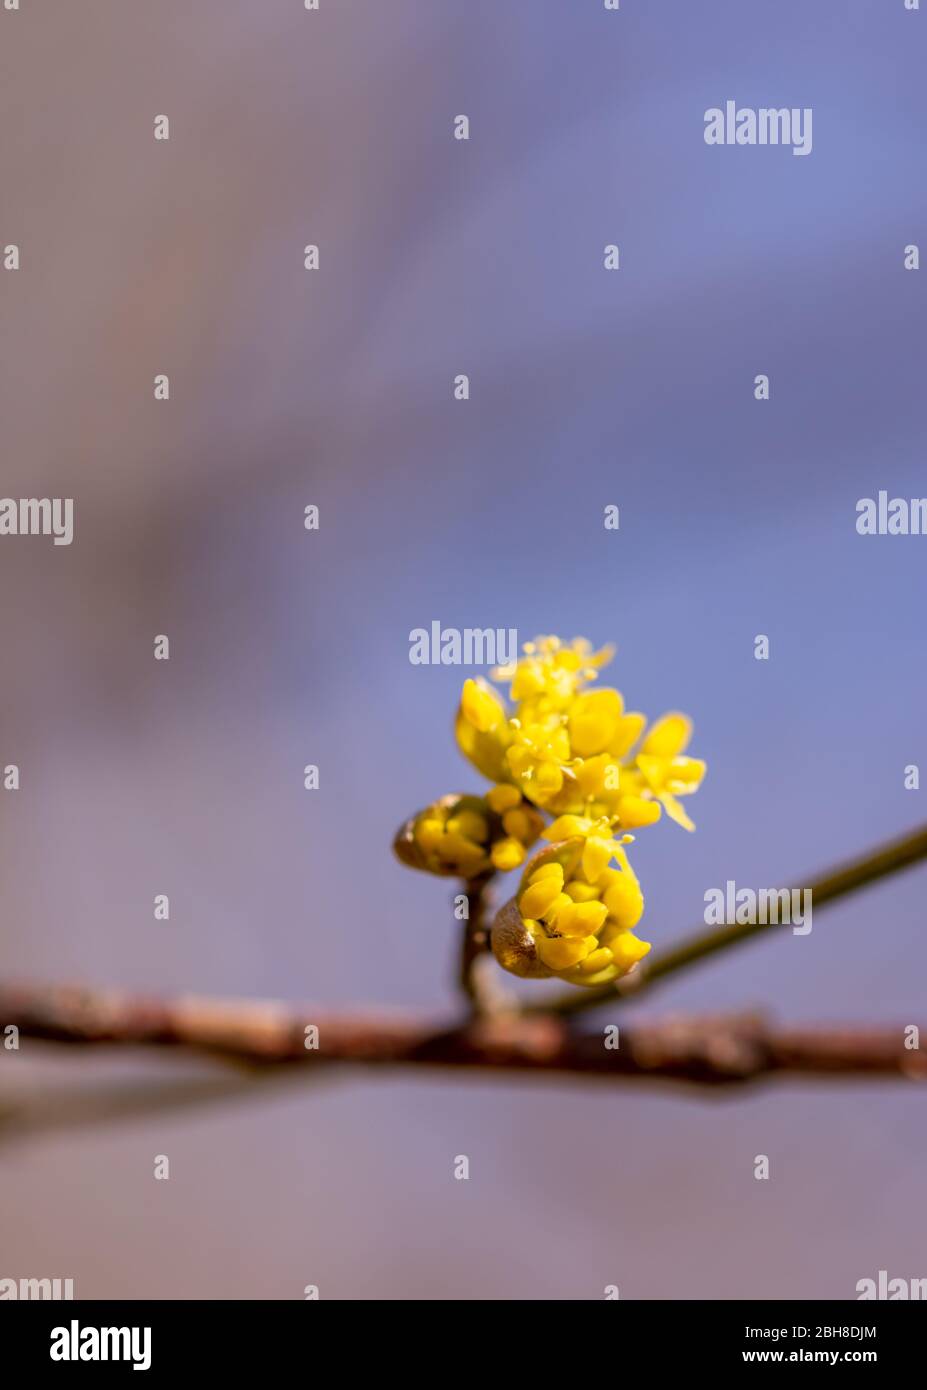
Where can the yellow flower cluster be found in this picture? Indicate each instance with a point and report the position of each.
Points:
(575, 753)
(574, 915)
(469, 836)
(568, 748)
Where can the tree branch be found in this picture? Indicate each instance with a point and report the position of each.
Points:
(478, 976)
(827, 888)
(707, 1051)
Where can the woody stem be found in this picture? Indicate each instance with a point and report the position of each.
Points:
(475, 981)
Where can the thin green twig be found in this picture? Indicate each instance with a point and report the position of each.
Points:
(888, 859)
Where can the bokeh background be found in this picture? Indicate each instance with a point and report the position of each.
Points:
(334, 388)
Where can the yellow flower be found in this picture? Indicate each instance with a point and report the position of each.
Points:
(599, 843)
(573, 751)
(468, 836)
(662, 773)
(482, 729)
(552, 671)
(573, 914)
(567, 748)
(547, 685)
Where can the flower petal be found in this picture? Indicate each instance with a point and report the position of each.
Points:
(668, 737)
(676, 811)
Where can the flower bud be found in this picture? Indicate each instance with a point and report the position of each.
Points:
(464, 836)
(571, 917)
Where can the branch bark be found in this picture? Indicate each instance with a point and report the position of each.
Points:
(707, 1051)
(480, 986)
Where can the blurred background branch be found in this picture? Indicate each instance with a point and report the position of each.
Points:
(268, 1035)
(710, 1050)
(705, 1050)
